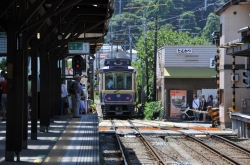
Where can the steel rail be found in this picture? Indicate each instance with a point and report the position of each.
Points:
(119, 143)
(211, 149)
(246, 151)
(148, 145)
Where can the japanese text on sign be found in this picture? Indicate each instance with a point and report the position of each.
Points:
(184, 50)
(78, 47)
(75, 46)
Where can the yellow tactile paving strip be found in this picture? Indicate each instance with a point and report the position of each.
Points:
(55, 155)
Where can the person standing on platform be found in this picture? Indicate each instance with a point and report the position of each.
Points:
(203, 106)
(210, 102)
(195, 105)
(3, 85)
(82, 109)
(64, 94)
(38, 96)
(76, 96)
(2, 76)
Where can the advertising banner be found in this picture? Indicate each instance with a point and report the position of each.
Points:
(178, 100)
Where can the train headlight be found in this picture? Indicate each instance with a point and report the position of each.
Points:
(127, 98)
(109, 98)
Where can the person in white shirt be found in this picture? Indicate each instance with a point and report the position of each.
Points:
(195, 105)
(110, 83)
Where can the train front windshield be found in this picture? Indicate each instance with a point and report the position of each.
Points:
(118, 81)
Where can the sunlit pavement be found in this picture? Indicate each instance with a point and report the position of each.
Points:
(37, 149)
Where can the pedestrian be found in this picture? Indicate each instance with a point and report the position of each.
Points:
(76, 96)
(203, 107)
(38, 95)
(64, 95)
(3, 85)
(195, 106)
(210, 102)
(216, 103)
(82, 109)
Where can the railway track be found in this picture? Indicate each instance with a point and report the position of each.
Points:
(141, 152)
(138, 148)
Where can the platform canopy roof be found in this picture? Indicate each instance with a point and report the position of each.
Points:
(76, 20)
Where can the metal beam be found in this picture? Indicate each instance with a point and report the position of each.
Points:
(90, 11)
(79, 33)
(57, 43)
(35, 26)
(97, 2)
(29, 13)
(5, 5)
(238, 50)
(51, 12)
(84, 18)
(51, 28)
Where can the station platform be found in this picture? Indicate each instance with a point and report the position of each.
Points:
(72, 141)
(68, 141)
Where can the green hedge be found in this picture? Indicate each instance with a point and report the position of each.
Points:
(153, 110)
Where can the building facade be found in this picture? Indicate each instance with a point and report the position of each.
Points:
(183, 71)
(234, 15)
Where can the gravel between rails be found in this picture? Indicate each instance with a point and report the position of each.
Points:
(110, 153)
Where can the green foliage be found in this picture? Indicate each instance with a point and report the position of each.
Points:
(166, 37)
(213, 24)
(3, 64)
(183, 22)
(69, 64)
(152, 110)
(183, 15)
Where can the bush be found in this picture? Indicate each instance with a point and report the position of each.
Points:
(153, 110)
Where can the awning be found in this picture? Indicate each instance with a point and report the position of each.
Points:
(189, 72)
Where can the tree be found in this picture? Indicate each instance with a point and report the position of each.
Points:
(212, 24)
(166, 37)
(182, 15)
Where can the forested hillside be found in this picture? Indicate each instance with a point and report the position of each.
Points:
(194, 16)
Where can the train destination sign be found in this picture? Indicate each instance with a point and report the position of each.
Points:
(78, 48)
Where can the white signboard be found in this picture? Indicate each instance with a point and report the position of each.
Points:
(212, 63)
(78, 47)
(184, 50)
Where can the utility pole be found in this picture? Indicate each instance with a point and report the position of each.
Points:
(120, 7)
(143, 68)
(155, 57)
(146, 61)
(205, 5)
(130, 42)
(111, 39)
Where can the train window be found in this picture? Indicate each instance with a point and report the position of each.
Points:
(118, 81)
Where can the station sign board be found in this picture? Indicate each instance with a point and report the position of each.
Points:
(78, 48)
